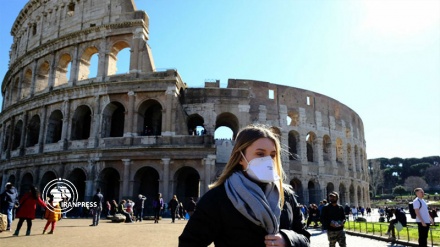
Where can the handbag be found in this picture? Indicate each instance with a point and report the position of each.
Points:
(399, 226)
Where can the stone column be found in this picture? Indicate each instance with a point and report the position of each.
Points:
(126, 177)
(65, 130)
(129, 117)
(208, 162)
(94, 132)
(42, 130)
(166, 178)
(23, 134)
(169, 108)
(74, 69)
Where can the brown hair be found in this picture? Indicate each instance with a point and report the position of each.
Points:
(244, 139)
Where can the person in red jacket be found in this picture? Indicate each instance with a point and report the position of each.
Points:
(26, 211)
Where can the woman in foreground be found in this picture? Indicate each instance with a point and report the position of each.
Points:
(248, 205)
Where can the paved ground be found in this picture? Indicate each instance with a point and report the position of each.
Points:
(77, 232)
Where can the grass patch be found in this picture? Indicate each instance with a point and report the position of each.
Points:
(409, 233)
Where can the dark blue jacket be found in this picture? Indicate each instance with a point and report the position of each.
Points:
(9, 197)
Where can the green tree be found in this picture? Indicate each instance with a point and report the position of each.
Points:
(399, 190)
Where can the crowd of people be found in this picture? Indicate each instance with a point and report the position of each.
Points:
(249, 205)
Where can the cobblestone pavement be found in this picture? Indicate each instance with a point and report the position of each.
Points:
(77, 232)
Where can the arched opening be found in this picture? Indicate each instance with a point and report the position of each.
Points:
(81, 123)
(54, 127)
(62, 73)
(352, 194)
(33, 131)
(330, 187)
(150, 118)
(78, 178)
(187, 184)
(297, 187)
(27, 182)
(109, 183)
(339, 150)
(294, 118)
(326, 148)
(7, 136)
(342, 194)
(293, 140)
(229, 120)
(113, 120)
(42, 79)
(26, 84)
(310, 141)
(16, 139)
(47, 177)
(314, 192)
(196, 125)
(119, 59)
(88, 66)
(146, 182)
(223, 133)
(359, 196)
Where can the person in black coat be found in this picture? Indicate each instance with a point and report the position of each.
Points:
(248, 205)
(400, 217)
(333, 220)
(9, 201)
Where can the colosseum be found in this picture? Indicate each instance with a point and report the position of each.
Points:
(147, 131)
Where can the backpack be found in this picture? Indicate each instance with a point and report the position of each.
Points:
(412, 212)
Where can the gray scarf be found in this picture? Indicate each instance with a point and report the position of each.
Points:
(261, 208)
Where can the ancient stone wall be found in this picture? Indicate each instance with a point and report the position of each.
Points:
(146, 131)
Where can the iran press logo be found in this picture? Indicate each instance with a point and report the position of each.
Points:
(64, 193)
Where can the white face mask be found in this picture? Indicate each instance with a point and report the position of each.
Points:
(261, 169)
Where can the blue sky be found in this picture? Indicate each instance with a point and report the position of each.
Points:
(380, 58)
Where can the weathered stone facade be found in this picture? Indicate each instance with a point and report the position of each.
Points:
(135, 132)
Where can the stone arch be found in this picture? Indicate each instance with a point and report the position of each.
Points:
(294, 117)
(349, 158)
(6, 139)
(187, 183)
(78, 178)
(113, 120)
(150, 118)
(26, 84)
(352, 193)
(54, 127)
(62, 72)
(298, 188)
(146, 182)
(293, 139)
(342, 194)
(113, 57)
(81, 123)
(330, 187)
(314, 191)
(16, 139)
(85, 63)
(339, 151)
(359, 196)
(311, 147)
(46, 178)
(109, 181)
(27, 181)
(42, 79)
(11, 179)
(196, 125)
(229, 120)
(326, 148)
(33, 131)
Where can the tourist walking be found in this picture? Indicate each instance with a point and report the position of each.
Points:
(172, 205)
(26, 211)
(157, 207)
(139, 207)
(52, 215)
(333, 219)
(9, 200)
(98, 199)
(422, 217)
